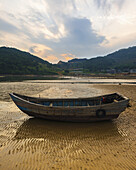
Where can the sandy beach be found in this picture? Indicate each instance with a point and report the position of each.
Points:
(27, 143)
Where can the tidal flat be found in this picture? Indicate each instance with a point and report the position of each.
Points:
(29, 143)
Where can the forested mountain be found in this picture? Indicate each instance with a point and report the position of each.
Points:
(16, 62)
(122, 60)
(13, 61)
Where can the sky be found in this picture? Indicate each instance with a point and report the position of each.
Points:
(65, 29)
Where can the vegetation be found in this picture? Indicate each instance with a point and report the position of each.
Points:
(16, 62)
(121, 61)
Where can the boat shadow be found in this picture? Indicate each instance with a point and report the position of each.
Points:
(34, 128)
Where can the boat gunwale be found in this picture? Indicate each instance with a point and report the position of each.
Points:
(71, 107)
(76, 98)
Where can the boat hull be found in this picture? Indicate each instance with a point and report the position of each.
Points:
(72, 114)
(68, 118)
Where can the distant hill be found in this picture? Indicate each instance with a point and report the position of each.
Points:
(122, 60)
(77, 60)
(14, 61)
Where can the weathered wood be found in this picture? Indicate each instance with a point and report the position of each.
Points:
(72, 109)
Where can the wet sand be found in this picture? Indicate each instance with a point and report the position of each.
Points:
(28, 143)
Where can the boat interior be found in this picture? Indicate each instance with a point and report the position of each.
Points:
(105, 99)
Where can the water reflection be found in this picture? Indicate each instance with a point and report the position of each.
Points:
(51, 130)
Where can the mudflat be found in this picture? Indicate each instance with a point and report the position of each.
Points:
(29, 143)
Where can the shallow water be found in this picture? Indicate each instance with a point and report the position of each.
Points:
(29, 143)
(19, 78)
(86, 80)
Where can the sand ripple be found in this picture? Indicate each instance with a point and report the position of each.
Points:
(47, 145)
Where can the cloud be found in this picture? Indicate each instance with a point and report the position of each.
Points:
(80, 40)
(40, 50)
(63, 57)
(68, 56)
(108, 4)
(37, 48)
(100, 3)
(51, 28)
(7, 27)
(81, 32)
(51, 58)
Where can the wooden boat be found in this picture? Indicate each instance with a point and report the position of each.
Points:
(73, 109)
